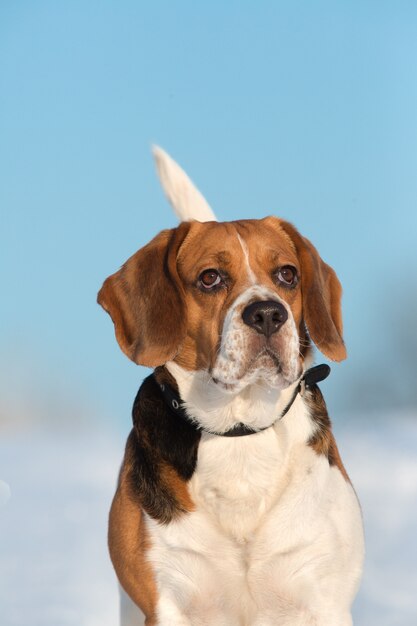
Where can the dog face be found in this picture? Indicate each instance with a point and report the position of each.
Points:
(240, 300)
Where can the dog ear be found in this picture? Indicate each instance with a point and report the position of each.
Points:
(145, 300)
(322, 295)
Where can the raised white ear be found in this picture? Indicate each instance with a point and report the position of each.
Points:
(186, 200)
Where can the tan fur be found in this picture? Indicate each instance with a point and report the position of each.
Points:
(322, 294)
(145, 301)
(325, 444)
(176, 485)
(128, 545)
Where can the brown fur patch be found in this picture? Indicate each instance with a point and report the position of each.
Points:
(129, 543)
(175, 485)
(323, 441)
(322, 294)
(145, 301)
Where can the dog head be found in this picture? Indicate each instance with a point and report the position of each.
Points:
(240, 300)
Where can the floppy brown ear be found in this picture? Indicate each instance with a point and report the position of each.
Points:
(322, 295)
(145, 300)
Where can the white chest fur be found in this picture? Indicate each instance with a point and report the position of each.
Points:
(239, 479)
(275, 539)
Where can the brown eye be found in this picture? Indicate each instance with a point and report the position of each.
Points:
(210, 278)
(287, 275)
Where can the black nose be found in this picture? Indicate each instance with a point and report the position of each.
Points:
(266, 316)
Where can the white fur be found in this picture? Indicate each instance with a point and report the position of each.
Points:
(234, 367)
(187, 202)
(218, 410)
(251, 275)
(275, 539)
(236, 390)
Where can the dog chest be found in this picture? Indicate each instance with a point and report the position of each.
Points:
(267, 527)
(237, 480)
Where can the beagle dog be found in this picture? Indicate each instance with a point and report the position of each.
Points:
(233, 507)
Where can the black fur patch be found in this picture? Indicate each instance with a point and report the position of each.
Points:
(159, 439)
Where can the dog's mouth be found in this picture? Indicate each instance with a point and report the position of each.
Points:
(266, 358)
(265, 367)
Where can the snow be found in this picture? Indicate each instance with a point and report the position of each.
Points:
(54, 566)
(381, 458)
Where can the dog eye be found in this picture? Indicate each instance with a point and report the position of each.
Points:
(287, 275)
(209, 279)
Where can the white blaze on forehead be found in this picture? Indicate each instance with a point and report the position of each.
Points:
(245, 250)
(187, 202)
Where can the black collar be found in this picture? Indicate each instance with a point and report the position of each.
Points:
(310, 377)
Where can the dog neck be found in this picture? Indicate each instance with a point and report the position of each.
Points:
(214, 409)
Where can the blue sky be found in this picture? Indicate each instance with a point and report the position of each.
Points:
(300, 109)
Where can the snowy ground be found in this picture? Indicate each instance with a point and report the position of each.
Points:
(54, 568)
(381, 457)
